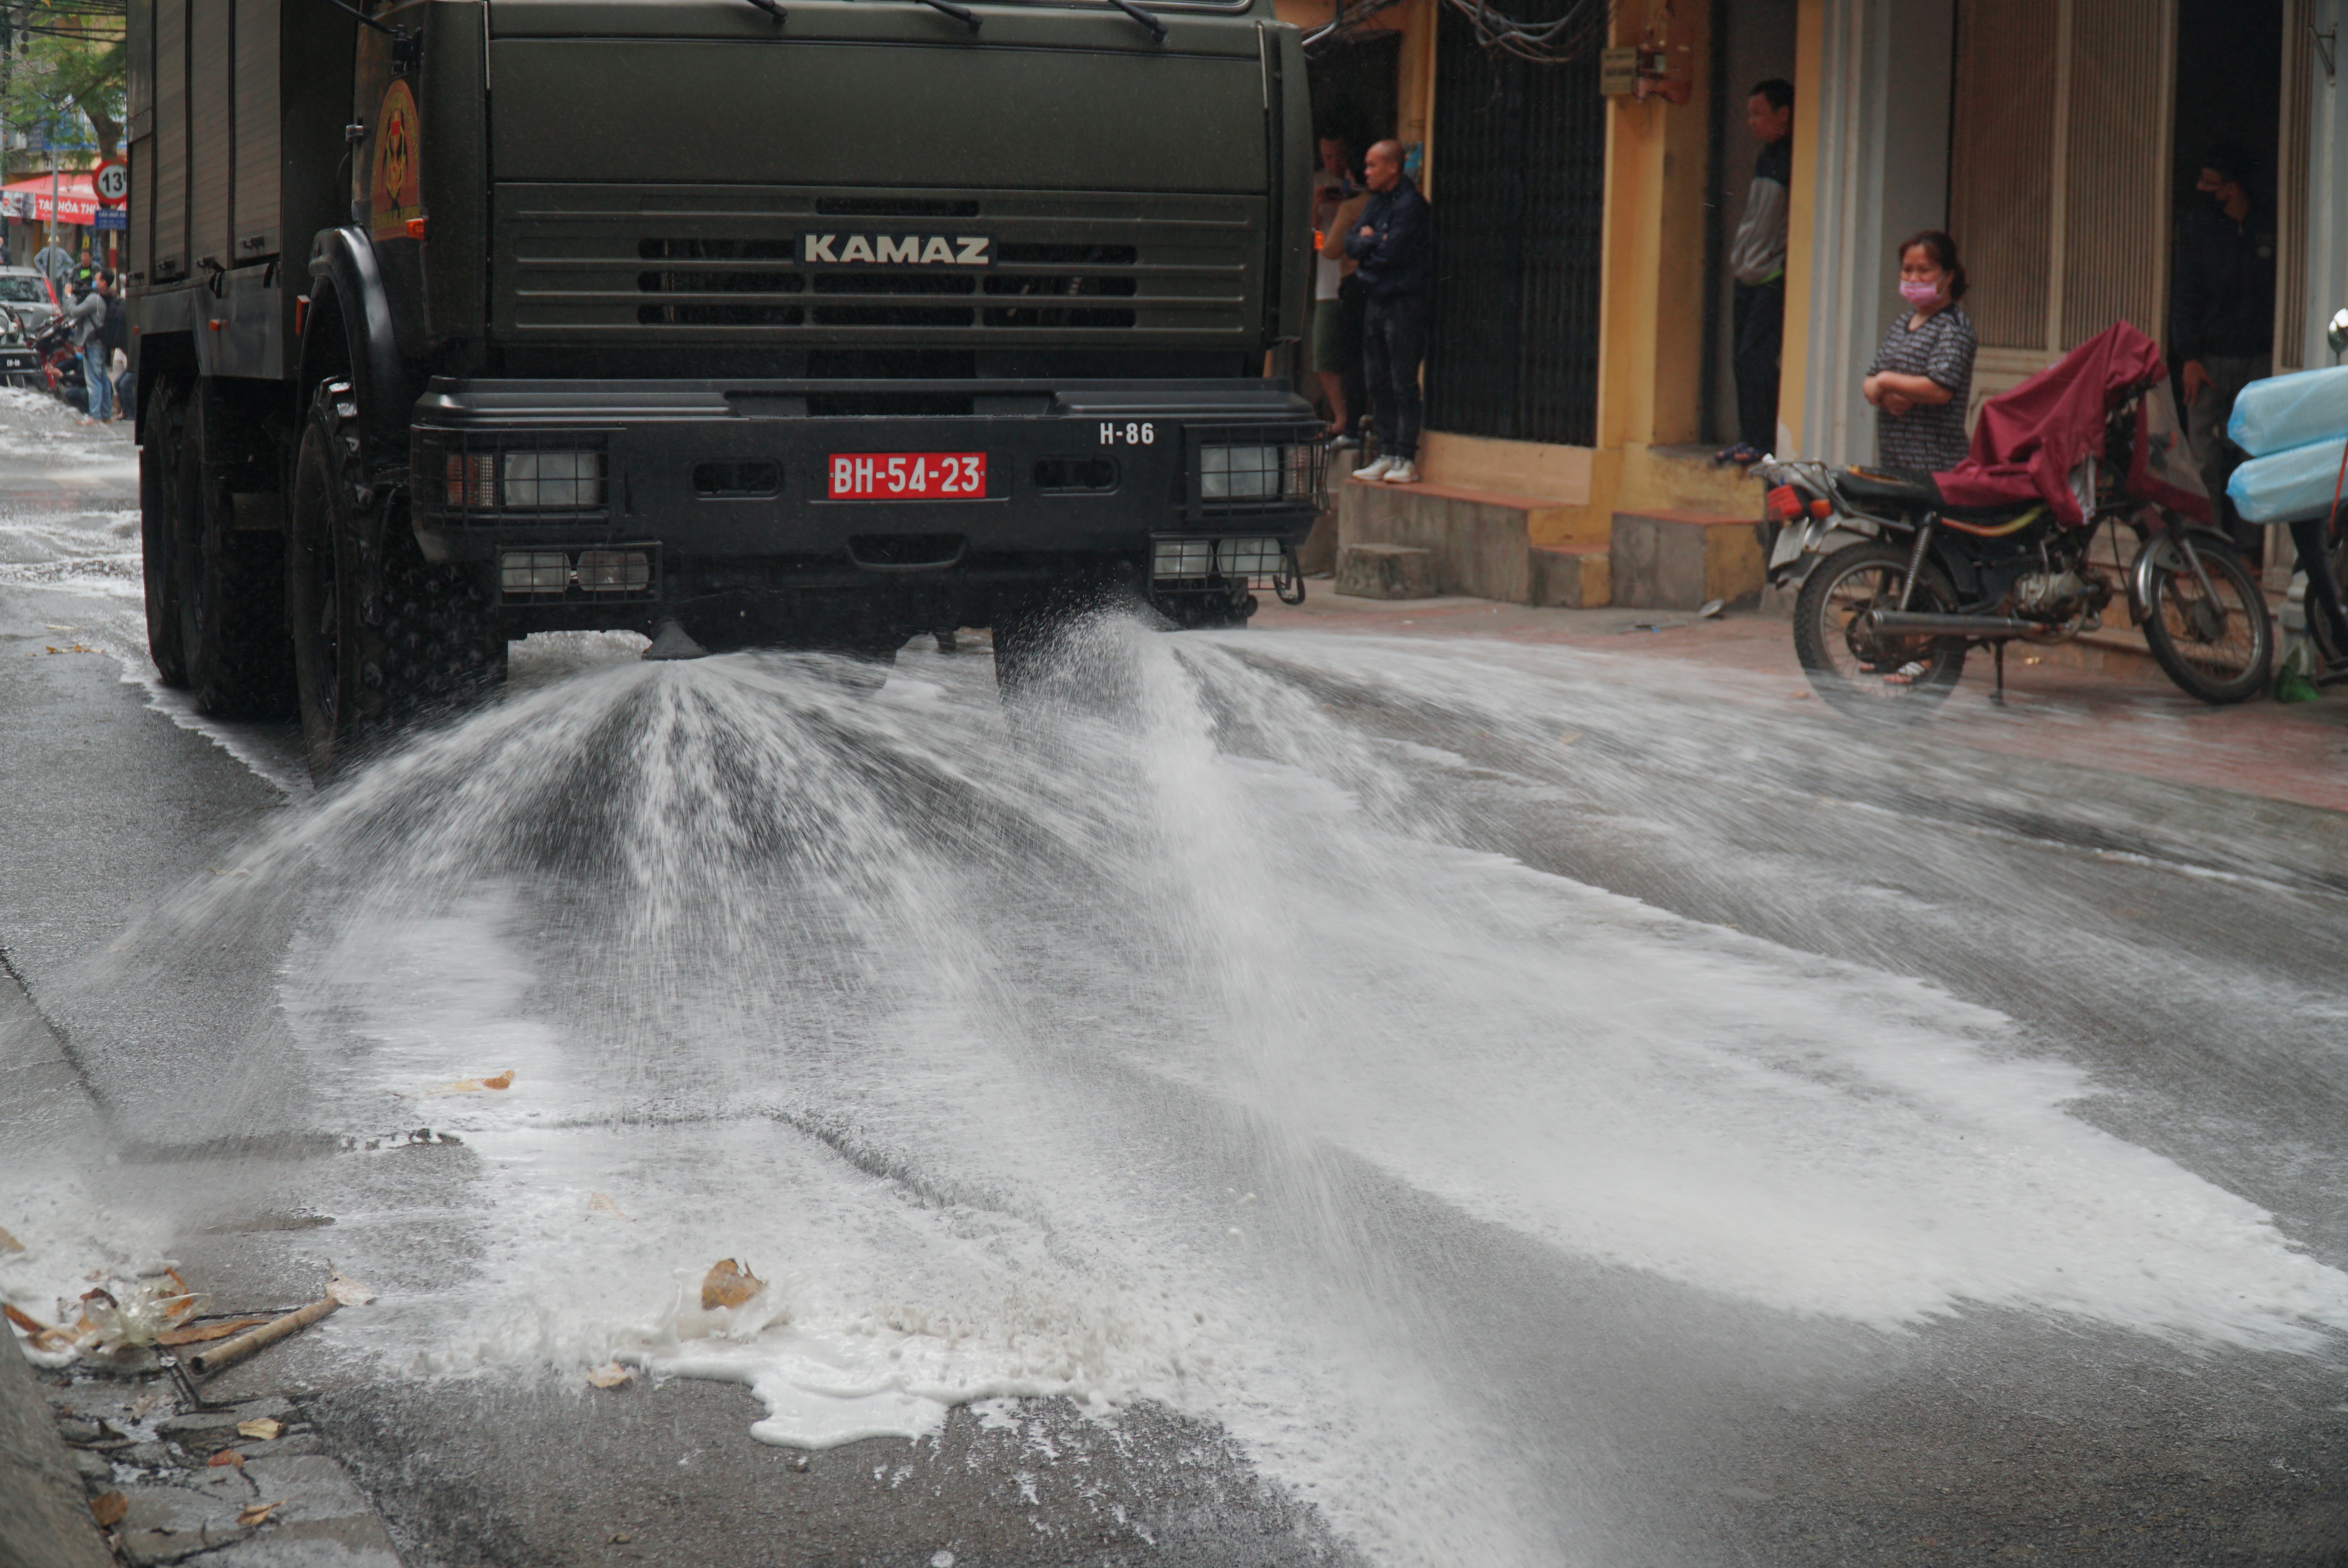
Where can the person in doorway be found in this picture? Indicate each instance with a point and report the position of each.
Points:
(53, 262)
(1756, 263)
(2221, 315)
(1922, 377)
(88, 319)
(1393, 249)
(1334, 341)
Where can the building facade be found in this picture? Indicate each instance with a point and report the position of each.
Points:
(1581, 352)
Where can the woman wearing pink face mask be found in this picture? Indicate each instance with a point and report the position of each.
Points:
(1922, 376)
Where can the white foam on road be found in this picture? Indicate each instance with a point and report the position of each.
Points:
(966, 1032)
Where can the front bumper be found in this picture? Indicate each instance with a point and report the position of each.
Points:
(723, 484)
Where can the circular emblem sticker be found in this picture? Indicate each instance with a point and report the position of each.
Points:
(397, 189)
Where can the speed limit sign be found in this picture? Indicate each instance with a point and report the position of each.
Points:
(111, 183)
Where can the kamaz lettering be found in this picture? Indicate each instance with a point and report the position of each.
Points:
(897, 249)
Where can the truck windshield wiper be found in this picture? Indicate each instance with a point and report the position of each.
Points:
(1156, 28)
(962, 13)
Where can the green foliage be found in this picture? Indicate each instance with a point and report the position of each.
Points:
(66, 68)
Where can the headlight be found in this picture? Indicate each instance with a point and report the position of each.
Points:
(1259, 473)
(1240, 472)
(526, 481)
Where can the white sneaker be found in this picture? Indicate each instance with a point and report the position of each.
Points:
(1376, 468)
(1403, 472)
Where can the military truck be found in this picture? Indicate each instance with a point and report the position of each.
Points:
(803, 322)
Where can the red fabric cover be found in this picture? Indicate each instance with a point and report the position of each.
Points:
(2029, 439)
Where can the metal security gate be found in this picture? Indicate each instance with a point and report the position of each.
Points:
(1519, 194)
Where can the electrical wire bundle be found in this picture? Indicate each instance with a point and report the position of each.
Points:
(1559, 41)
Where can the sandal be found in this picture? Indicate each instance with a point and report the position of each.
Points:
(1744, 455)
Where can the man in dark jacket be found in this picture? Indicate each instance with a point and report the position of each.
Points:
(1395, 251)
(2221, 313)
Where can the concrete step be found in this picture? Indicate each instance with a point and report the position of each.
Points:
(1680, 559)
(1482, 540)
(1386, 571)
(1571, 578)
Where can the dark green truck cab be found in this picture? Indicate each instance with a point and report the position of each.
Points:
(466, 320)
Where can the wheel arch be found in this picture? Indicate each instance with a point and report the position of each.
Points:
(348, 331)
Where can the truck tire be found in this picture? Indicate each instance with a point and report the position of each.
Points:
(380, 634)
(230, 586)
(157, 482)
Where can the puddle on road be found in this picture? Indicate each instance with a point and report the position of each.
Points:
(1170, 1053)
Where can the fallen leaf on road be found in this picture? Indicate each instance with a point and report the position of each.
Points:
(258, 1513)
(44, 1337)
(108, 1508)
(140, 1406)
(226, 1455)
(348, 1291)
(610, 1375)
(202, 1332)
(9, 1243)
(728, 1284)
(262, 1430)
(472, 1085)
(597, 1203)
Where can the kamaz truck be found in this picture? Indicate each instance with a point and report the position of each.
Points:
(805, 323)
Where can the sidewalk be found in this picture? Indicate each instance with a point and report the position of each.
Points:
(2134, 722)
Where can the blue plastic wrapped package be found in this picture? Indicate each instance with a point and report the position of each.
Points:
(2287, 411)
(2286, 486)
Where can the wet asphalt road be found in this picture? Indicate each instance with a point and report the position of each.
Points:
(2181, 950)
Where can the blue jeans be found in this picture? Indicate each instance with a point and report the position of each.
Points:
(98, 380)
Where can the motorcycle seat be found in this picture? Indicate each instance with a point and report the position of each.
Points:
(1890, 489)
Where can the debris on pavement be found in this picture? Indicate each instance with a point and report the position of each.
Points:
(203, 1333)
(225, 1457)
(611, 1375)
(258, 1513)
(346, 1289)
(9, 1243)
(597, 1203)
(263, 1429)
(473, 1085)
(204, 1363)
(728, 1284)
(108, 1508)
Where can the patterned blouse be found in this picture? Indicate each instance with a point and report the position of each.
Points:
(1929, 439)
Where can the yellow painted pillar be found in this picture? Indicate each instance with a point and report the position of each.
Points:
(1650, 333)
(1802, 216)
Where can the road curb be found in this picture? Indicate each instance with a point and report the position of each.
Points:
(44, 1518)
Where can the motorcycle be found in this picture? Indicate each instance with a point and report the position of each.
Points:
(1899, 580)
(59, 361)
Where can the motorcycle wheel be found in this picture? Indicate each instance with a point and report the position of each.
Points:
(1855, 669)
(2220, 649)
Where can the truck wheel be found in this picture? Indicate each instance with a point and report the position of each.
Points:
(380, 634)
(157, 482)
(230, 586)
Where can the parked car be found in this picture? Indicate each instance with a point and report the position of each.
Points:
(20, 364)
(27, 292)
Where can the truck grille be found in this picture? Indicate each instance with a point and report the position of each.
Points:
(681, 263)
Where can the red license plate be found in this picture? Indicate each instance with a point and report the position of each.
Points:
(907, 475)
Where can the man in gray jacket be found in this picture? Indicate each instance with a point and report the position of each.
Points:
(1757, 261)
(87, 317)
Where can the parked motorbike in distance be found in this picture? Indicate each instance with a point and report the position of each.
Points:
(60, 364)
(1897, 585)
